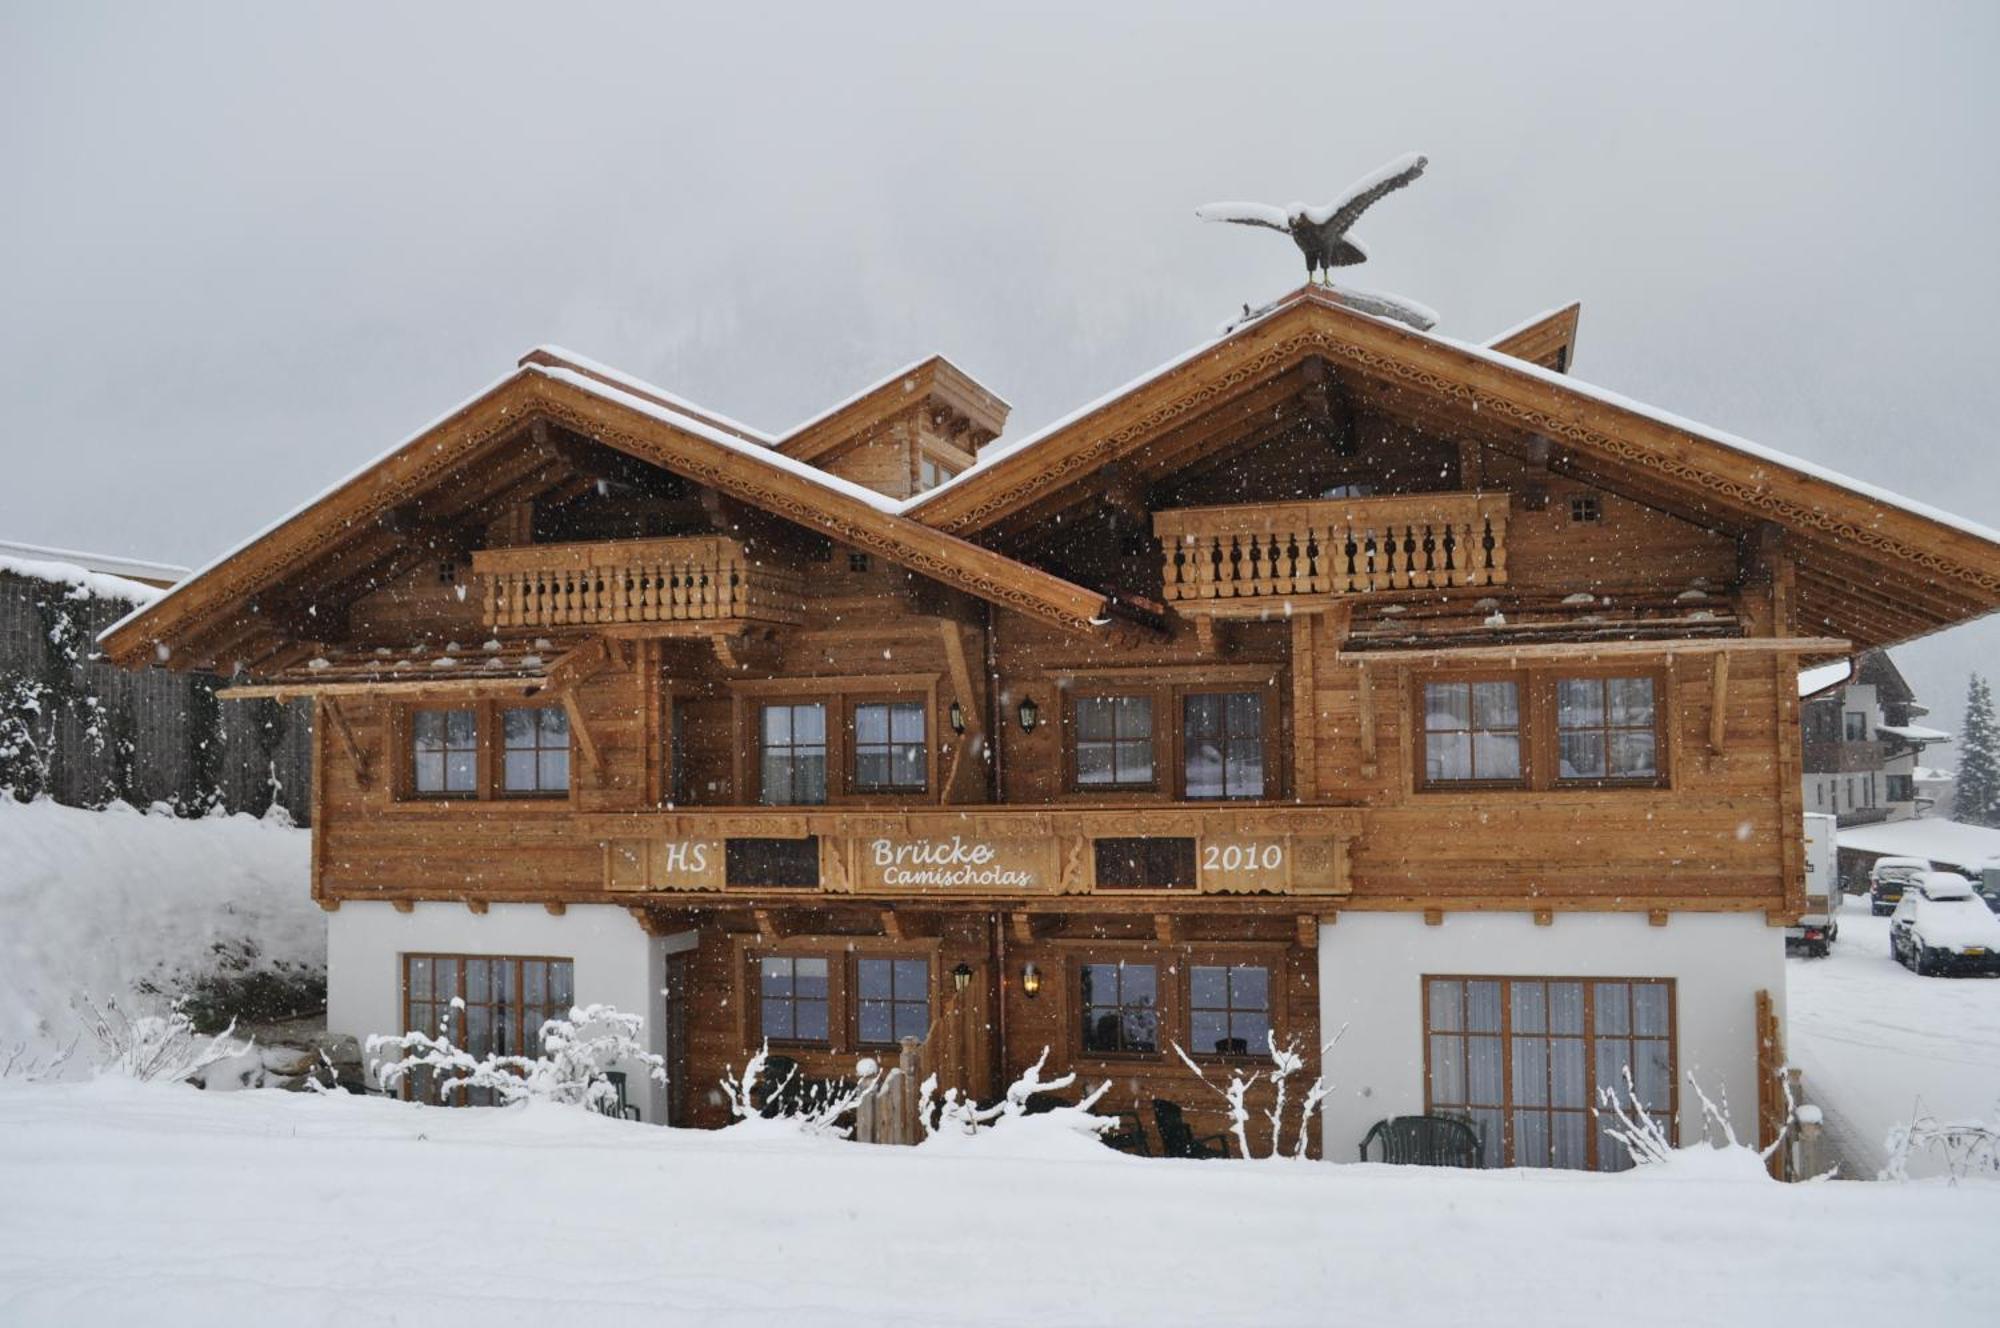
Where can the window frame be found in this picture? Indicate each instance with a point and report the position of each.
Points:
(839, 695)
(411, 787)
(851, 705)
(856, 1039)
(1175, 1009)
(792, 956)
(1273, 980)
(1168, 692)
(1593, 1131)
(1541, 738)
(488, 757)
(829, 718)
(1073, 731)
(537, 794)
(834, 1056)
(459, 1031)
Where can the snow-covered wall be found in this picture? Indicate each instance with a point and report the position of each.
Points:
(1372, 966)
(616, 962)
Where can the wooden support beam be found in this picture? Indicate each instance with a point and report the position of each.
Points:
(1308, 929)
(1167, 928)
(769, 928)
(556, 907)
(403, 905)
(1365, 702)
(328, 905)
(1545, 917)
(1657, 918)
(584, 741)
(356, 757)
(1305, 708)
(580, 663)
(1434, 917)
(1718, 700)
(892, 926)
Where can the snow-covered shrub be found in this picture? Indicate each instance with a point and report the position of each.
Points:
(1962, 1149)
(813, 1107)
(1718, 1153)
(954, 1117)
(1285, 1062)
(576, 1053)
(158, 1046)
(31, 1065)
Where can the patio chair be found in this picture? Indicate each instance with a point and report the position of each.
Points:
(1425, 1141)
(1129, 1137)
(1177, 1137)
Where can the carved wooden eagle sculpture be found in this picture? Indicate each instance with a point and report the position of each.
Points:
(1321, 232)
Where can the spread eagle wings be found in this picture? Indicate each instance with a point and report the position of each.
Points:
(1336, 217)
(1246, 214)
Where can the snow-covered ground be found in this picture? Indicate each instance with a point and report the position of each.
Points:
(94, 903)
(1879, 1044)
(148, 1204)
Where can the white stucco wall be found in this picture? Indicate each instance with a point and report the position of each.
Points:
(1372, 965)
(616, 962)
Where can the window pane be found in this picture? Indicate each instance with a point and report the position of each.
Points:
(1245, 714)
(1531, 1139)
(872, 977)
(555, 726)
(906, 723)
(1483, 1071)
(519, 727)
(1251, 1028)
(871, 768)
(1141, 1030)
(1093, 718)
(1444, 1010)
(1569, 1081)
(1447, 756)
(1244, 775)
(1137, 983)
(1250, 987)
(1496, 756)
(913, 1019)
(1447, 1071)
(1649, 1009)
(1650, 1073)
(1580, 703)
(1632, 753)
(809, 724)
(1631, 700)
(1530, 1014)
(775, 977)
(877, 1022)
(1583, 755)
(810, 781)
(562, 984)
(461, 728)
(519, 770)
(1201, 716)
(777, 1020)
(420, 979)
(1135, 762)
(913, 979)
(810, 976)
(1496, 705)
(908, 767)
(777, 724)
(1135, 716)
(871, 723)
(1570, 1129)
(776, 776)
(1093, 763)
(1482, 1007)
(1204, 769)
(1566, 1007)
(1610, 1000)
(458, 772)
(1531, 1071)
(1209, 1031)
(430, 772)
(554, 771)
(427, 730)
(1447, 706)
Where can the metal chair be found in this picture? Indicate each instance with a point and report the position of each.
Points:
(1130, 1136)
(1177, 1137)
(1425, 1141)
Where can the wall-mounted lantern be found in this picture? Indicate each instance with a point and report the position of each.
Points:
(957, 717)
(1031, 980)
(960, 976)
(1030, 713)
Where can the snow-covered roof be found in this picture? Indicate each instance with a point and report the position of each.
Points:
(641, 387)
(1526, 323)
(1816, 680)
(1950, 842)
(1913, 733)
(88, 574)
(1930, 774)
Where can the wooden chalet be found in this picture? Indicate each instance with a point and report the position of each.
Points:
(1334, 675)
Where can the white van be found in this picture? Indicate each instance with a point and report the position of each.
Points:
(1820, 923)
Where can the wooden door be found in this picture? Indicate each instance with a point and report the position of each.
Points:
(674, 1017)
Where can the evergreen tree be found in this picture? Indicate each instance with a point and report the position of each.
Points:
(1977, 800)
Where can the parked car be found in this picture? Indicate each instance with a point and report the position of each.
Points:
(1819, 926)
(1987, 883)
(1886, 880)
(1941, 925)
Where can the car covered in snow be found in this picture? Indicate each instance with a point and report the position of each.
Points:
(1941, 925)
(1888, 877)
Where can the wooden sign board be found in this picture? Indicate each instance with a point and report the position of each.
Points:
(957, 863)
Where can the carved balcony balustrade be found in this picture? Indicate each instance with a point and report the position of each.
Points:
(1246, 559)
(633, 582)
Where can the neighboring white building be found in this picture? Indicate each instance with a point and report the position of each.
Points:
(1862, 748)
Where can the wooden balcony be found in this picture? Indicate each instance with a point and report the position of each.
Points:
(696, 579)
(1246, 560)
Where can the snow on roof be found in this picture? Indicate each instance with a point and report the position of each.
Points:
(1940, 841)
(906, 371)
(1812, 681)
(1930, 774)
(64, 568)
(644, 388)
(1526, 323)
(1913, 733)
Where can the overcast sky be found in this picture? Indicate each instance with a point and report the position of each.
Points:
(243, 249)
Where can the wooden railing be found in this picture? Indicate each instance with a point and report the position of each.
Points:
(693, 579)
(1217, 558)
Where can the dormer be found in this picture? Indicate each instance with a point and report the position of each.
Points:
(909, 432)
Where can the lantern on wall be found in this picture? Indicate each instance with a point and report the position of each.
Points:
(960, 976)
(1030, 713)
(1031, 980)
(956, 714)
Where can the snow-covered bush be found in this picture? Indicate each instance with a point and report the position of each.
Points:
(576, 1053)
(1961, 1149)
(156, 1046)
(1719, 1152)
(1285, 1062)
(31, 1065)
(806, 1106)
(954, 1117)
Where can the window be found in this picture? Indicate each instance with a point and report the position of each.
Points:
(1355, 490)
(931, 473)
(893, 1000)
(1586, 507)
(889, 747)
(1899, 788)
(536, 757)
(793, 754)
(505, 1002)
(1229, 1009)
(1605, 729)
(857, 562)
(1524, 1059)
(1144, 863)
(1472, 731)
(792, 998)
(1222, 734)
(444, 747)
(1114, 741)
(1120, 1008)
(1856, 724)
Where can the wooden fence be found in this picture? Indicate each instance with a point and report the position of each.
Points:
(84, 732)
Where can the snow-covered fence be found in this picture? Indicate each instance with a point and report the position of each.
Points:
(84, 732)
(889, 1110)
